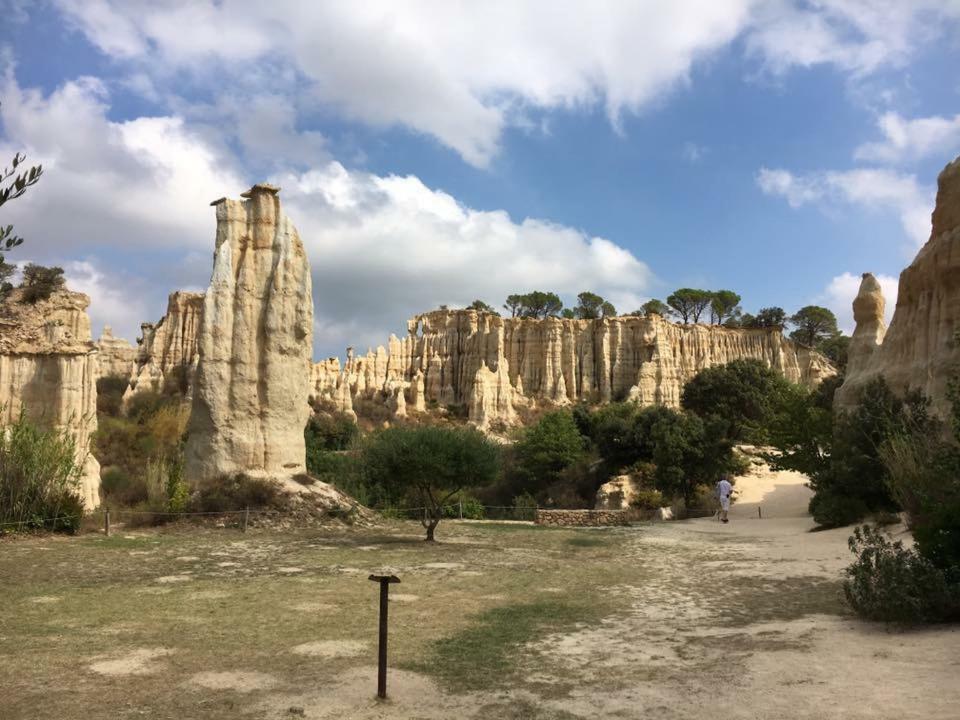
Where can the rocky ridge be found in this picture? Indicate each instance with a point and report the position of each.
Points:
(168, 350)
(493, 365)
(919, 350)
(49, 370)
(252, 380)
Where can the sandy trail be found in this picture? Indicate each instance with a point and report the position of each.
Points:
(727, 626)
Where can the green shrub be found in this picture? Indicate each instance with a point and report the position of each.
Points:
(40, 282)
(237, 492)
(548, 448)
(648, 499)
(469, 506)
(330, 431)
(39, 477)
(524, 507)
(110, 391)
(118, 487)
(891, 583)
(830, 509)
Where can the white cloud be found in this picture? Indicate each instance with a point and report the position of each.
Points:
(385, 248)
(842, 289)
(906, 140)
(382, 248)
(113, 300)
(872, 188)
(463, 72)
(140, 182)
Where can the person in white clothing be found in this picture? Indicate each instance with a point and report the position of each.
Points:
(724, 489)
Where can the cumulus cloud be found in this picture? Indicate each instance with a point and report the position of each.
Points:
(382, 248)
(872, 188)
(139, 182)
(909, 140)
(462, 72)
(385, 248)
(842, 289)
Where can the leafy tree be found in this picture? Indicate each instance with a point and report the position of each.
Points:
(748, 321)
(655, 307)
(14, 184)
(481, 306)
(769, 317)
(723, 305)
(40, 282)
(536, 304)
(591, 306)
(686, 450)
(741, 395)
(547, 449)
(430, 464)
(568, 314)
(513, 303)
(813, 325)
(689, 303)
(836, 349)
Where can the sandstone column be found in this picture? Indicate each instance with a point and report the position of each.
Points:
(253, 375)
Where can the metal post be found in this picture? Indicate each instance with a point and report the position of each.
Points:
(384, 581)
(106, 522)
(460, 503)
(246, 517)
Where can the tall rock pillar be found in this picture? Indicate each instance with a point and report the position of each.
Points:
(255, 348)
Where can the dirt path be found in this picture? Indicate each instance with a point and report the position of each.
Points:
(662, 620)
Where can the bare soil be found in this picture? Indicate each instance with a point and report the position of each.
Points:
(673, 620)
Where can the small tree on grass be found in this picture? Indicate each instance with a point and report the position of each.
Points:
(430, 464)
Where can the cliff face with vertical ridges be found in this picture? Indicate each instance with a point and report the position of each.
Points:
(919, 350)
(470, 358)
(49, 370)
(116, 356)
(168, 351)
(252, 380)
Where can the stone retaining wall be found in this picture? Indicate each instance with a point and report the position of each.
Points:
(581, 518)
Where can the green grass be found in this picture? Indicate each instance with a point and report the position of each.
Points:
(484, 654)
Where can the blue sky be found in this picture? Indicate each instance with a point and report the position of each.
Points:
(773, 147)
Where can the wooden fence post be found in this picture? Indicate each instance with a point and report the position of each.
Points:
(246, 517)
(106, 522)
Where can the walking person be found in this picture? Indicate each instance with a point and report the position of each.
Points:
(724, 489)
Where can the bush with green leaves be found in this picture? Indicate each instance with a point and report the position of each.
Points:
(427, 466)
(742, 394)
(842, 453)
(110, 391)
(39, 477)
(237, 492)
(524, 507)
(892, 583)
(545, 450)
(40, 282)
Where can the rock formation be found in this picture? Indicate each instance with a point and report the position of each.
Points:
(617, 494)
(919, 350)
(253, 376)
(49, 369)
(116, 356)
(168, 351)
(868, 309)
(491, 364)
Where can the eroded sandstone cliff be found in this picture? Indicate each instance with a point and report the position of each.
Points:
(919, 350)
(492, 364)
(116, 356)
(49, 370)
(168, 351)
(253, 375)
